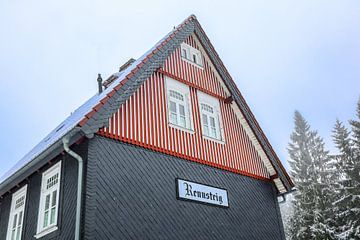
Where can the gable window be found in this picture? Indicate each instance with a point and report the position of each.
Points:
(49, 201)
(177, 108)
(184, 53)
(191, 54)
(178, 104)
(211, 120)
(210, 127)
(16, 216)
(194, 58)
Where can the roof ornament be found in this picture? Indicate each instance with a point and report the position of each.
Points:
(99, 79)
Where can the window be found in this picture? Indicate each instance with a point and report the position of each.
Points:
(194, 58)
(16, 216)
(211, 121)
(178, 104)
(184, 53)
(49, 201)
(191, 54)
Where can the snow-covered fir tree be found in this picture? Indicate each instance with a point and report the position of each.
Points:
(286, 209)
(354, 173)
(343, 142)
(310, 163)
(347, 205)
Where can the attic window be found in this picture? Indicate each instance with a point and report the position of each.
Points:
(183, 53)
(191, 55)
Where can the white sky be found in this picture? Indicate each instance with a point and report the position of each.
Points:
(284, 55)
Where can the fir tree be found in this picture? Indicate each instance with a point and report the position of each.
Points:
(343, 142)
(347, 205)
(309, 162)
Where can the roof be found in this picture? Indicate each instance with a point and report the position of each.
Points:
(95, 112)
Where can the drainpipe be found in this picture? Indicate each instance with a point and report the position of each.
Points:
(79, 185)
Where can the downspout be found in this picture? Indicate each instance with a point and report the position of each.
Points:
(67, 149)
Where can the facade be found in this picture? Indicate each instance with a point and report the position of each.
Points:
(168, 149)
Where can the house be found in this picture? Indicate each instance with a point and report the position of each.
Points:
(167, 149)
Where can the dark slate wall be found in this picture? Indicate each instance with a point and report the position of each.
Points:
(131, 194)
(67, 200)
(4, 215)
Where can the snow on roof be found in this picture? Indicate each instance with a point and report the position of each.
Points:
(73, 120)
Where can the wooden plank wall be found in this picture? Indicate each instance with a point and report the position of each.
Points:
(142, 121)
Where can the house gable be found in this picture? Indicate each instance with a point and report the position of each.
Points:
(95, 113)
(144, 118)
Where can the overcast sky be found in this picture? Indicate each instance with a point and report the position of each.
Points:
(284, 55)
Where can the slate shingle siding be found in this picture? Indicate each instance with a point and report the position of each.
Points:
(67, 207)
(4, 215)
(130, 194)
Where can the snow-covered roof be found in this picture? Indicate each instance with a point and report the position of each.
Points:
(74, 119)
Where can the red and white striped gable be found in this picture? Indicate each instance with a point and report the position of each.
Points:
(143, 120)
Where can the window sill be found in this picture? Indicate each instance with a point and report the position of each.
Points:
(46, 231)
(214, 139)
(181, 128)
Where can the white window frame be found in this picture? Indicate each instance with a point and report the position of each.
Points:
(190, 53)
(19, 197)
(212, 102)
(48, 187)
(184, 91)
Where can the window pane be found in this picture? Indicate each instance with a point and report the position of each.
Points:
(53, 200)
(182, 121)
(173, 118)
(15, 220)
(213, 132)
(194, 58)
(47, 202)
(182, 110)
(205, 120)
(20, 216)
(13, 234)
(18, 233)
(206, 130)
(212, 122)
(46, 219)
(52, 216)
(172, 107)
(173, 113)
(183, 52)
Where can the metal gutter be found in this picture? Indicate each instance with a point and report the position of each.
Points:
(55, 149)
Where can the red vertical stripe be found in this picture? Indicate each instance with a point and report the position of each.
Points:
(142, 120)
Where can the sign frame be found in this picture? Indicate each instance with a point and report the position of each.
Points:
(178, 197)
